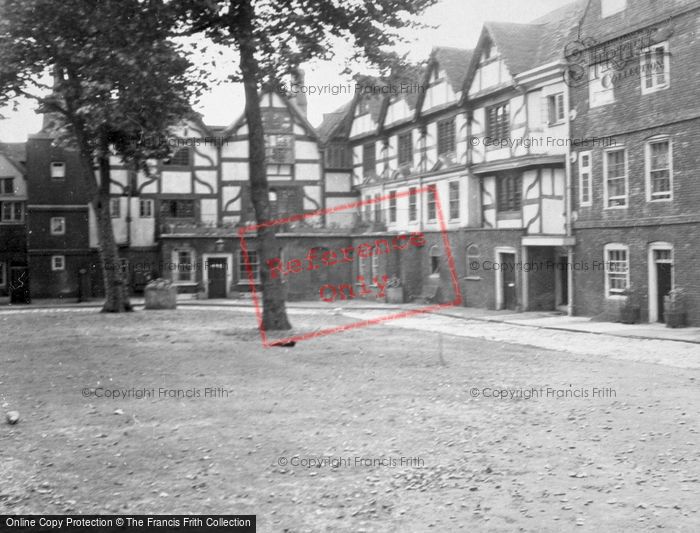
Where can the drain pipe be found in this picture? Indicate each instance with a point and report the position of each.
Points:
(568, 205)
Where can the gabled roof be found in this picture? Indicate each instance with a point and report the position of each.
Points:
(291, 106)
(455, 63)
(526, 46)
(336, 123)
(16, 154)
(518, 44)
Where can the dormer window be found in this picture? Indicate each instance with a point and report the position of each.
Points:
(611, 7)
(363, 106)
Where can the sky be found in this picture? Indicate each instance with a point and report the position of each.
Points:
(457, 23)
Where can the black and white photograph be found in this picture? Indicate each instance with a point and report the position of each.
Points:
(363, 266)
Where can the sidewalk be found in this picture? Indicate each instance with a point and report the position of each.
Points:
(534, 319)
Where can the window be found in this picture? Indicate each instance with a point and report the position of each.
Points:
(655, 68)
(616, 270)
(58, 170)
(58, 262)
(3, 274)
(338, 156)
(446, 136)
(601, 90)
(367, 208)
(253, 263)
(615, 178)
(392, 206)
(509, 193)
(584, 178)
(557, 113)
(375, 266)
(11, 211)
(115, 207)
(473, 261)
(181, 158)
(369, 159)
(377, 208)
(279, 149)
(177, 208)
(406, 148)
(435, 256)
(7, 186)
(365, 267)
(146, 208)
(432, 204)
(610, 7)
(58, 225)
(454, 200)
(412, 205)
(659, 171)
(498, 122)
(273, 203)
(184, 261)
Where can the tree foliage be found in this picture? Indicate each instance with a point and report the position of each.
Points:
(273, 38)
(116, 76)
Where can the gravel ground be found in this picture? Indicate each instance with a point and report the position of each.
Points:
(401, 419)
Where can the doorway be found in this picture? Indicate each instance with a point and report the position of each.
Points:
(660, 278)
(507, 265)
(217, 276)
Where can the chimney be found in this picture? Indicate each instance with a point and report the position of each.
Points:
(299, 97)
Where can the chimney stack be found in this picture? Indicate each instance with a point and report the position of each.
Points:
(299, 97)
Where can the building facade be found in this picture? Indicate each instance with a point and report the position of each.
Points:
(635, 189)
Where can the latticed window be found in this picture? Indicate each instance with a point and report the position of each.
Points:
(446, 136)
(279, 149)
(616, 178)
(509, 192)
(180, 158)
(659, 154)
(498, 122)
(177, 208)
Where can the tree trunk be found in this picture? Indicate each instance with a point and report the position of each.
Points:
(116, 290)
(274, 310)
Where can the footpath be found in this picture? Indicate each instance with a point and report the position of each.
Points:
(534, 319)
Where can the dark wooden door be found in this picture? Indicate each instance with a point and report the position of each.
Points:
(664, 280)
(216, 268)
(508, 273)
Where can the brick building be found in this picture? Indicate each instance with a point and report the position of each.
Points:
(14, 274)
(635, 192)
